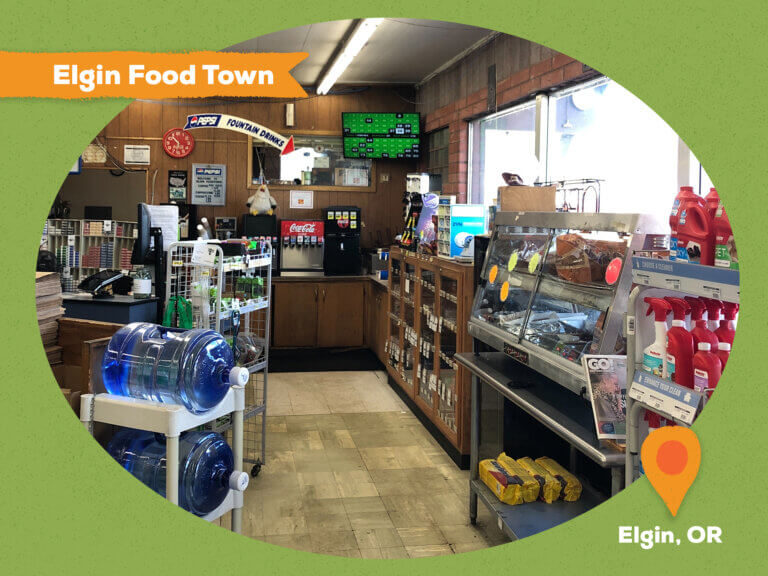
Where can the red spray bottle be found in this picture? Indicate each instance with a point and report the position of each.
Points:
(679, 345)
(707, 369)
(699, 329)
(714, 307)
(723, 352)
(727, 329)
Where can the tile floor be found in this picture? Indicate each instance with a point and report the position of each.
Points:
(351, 472)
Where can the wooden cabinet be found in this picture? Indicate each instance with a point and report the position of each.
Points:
(295, 320)
(340, 315)
(376, 319)
(324, 314)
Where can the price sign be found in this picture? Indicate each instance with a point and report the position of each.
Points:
(204, 254)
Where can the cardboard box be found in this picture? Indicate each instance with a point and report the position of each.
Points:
(526, 199)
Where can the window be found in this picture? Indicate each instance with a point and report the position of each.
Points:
(438, 153)
(504, 142)
(316, 161)
(600, 130)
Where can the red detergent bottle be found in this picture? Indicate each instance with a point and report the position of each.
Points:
(727, 329)
(699, 329)
(696, 235)
(725, 248)
(707, 369)
(714, 308)
(713, 200)
(723, 352)
(684, 198)
(679, 345)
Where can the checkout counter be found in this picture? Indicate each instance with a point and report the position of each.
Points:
(117, 309)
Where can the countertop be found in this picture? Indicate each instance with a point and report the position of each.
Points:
(117, 299)
(346, 278)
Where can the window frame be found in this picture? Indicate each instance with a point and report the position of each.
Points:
(283, 187)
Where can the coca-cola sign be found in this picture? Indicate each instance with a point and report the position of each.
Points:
(302, 227)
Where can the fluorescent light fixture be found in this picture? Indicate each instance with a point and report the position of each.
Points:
(352, 48)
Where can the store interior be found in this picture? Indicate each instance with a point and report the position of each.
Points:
(434, 307)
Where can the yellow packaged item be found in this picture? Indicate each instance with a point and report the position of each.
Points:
(549, 486)
(570, 484)
(529, 483)
(507, 488)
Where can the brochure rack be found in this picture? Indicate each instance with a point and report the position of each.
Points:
(172, 420)
(648, 392)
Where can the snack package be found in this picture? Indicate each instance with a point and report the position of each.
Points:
(506, 487)
(550, 488)
(530, 487)
(570, 484)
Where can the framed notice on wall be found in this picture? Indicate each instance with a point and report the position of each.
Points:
(209, 184)
(177, 185)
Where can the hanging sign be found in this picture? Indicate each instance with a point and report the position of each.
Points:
(209, 184)
(227, 122)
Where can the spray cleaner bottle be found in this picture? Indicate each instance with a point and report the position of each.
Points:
(714, 308)
(727, 329)
(655, 355)
(679, 345)
(699, 329)
(707, 369)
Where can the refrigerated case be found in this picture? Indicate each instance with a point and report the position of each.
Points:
(554, 286)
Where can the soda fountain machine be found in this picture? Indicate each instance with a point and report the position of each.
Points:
(302, 247)
(342, 241)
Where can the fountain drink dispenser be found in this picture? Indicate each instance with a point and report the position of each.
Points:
(264, 227)
(342, 241)
(302, 246)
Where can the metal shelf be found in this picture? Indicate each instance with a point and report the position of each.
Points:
(249, 265)
(531, 518)
(261, 304)
(693, 279)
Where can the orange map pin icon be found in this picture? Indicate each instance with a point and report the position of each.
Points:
(671, 458)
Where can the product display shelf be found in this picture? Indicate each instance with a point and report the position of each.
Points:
(530, 518)
(172, 420)
(692, 279)
(428, 294)
(83, 247)
(649, 392)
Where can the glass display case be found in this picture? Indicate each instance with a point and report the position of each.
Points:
(554, 287)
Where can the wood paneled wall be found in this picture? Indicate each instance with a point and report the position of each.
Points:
(145, 122)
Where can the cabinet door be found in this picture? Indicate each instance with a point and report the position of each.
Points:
(295, 319)
(340, 316)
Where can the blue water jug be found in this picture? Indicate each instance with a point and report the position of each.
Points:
(187, 367)
(205, 465)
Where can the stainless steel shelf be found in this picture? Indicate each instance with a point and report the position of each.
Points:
(531, 518)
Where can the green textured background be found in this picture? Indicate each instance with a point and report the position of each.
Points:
(67, 508)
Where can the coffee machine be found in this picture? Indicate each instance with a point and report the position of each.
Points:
(342, 241)
(301, 250)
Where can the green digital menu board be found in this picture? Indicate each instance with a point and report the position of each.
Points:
(381, 134)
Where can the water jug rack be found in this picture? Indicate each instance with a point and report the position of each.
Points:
(664, 277)
(172, 420)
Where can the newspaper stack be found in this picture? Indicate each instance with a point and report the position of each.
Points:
(49, 310)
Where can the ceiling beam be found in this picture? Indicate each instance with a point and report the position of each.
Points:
(460, 56)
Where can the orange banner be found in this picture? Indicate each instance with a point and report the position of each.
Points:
(146, 75)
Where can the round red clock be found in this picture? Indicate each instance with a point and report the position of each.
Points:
(178, 143)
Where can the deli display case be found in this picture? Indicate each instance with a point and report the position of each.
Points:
(554, 286)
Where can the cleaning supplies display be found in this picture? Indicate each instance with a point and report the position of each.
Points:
(725, 248)
(655, 354)
(192, 368)
(206, 465)
(679, 345)
(707, 369)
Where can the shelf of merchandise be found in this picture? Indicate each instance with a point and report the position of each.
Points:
(649, 392)
(530, 518)
(173, 420)
(76, 243)
(428, 297)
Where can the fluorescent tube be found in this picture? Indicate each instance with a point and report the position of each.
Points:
(352, 48)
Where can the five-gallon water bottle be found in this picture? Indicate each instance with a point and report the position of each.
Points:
(193, 368)
(206, 465)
